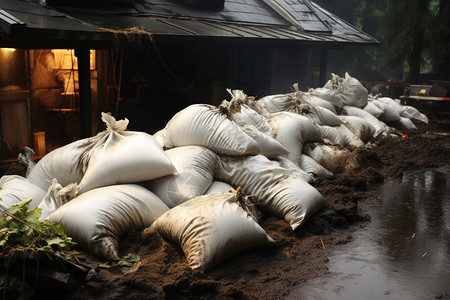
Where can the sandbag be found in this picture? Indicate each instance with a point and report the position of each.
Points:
(334, 158)
(343, 89)
(295, 168)
(276, 190)
(415, 114)
(360, 92)
(390, 114)
(218, 187)
(329, 95)
(211, 228)
(121, 156)
(204, 125)
(56, 196)
(252, 123)
(195, 170)
(340, 135)
(309, 165)
(380, 127)
(280, 102)
(373, 109)
(292, 131)
(404, 124)
(98, 219)
(66, 164)
(324, 116)
(317, 101)
(363, 129)
(26, 160)
(15, 189)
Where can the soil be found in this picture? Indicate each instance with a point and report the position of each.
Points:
(270, 272)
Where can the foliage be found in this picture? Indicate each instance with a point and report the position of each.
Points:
(20, 226)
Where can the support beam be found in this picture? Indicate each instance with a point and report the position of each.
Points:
(84, 79)
(323, 67)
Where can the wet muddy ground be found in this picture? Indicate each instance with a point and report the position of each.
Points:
(296, 258)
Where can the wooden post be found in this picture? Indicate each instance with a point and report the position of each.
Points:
(84, 79)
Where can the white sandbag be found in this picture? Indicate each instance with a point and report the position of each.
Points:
(362, 128)
(317, 101)
(380, 127)
(294, 168)
(276, 190)
(218, 187)
(195, 170)
(66, 164)
(292, 130)
(252, 123)
(98, 219)
(404, 124)
(324, 116)
(392, 103)
(121, 156)
(280, 102)
(204, 125)
(360, 92)
(415, 114)
(343, 89)
(309, 165)
(390, 114)
(211, 228)
(334, 158)
(329, 95)
(373, 109)
(340, 135)
(56, 196)
(163, 139)
(26, 160)
(15, 189)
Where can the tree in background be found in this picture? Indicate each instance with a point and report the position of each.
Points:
(414, 38)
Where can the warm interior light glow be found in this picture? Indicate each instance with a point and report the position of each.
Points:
(11, 49)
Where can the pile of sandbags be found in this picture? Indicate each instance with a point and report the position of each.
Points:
(204, 178)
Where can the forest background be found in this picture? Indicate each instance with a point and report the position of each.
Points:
(414, 38)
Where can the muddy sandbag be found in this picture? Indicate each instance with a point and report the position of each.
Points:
(276, 190)
(414, 113)
(56, 196)
(121, 156)
(361, 93)
(343, 89)
(315, 100)
(292, 130)
(195, 170)
(64, 163)
(334, 158)
(390, 114)
(98, 219)
(218, 187)
(380, 127)
(309, 165)
(204, 125)
(363, 129)
(295, 168)
(16, 188)
(324, 116)
(373, 109)
(252, 123)
(340, 135)
(211, 228)
(404, 124)
(280, 102)
(329, 95)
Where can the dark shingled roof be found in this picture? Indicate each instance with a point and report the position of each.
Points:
(25, 22)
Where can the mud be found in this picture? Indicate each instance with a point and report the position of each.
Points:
(269, 272)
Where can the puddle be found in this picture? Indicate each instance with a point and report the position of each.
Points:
(403, 253)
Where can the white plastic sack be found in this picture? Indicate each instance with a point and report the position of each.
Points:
(195, 170)
(276, 190)
(64, 163)
(295, 168)
(292, 131)
(211, 228)
(15, 189)
(218, 187)
(363, 129)
(204, 125)
(329, 95)
(344, 90)
(98, 219)
(380, 127)
(26, 160)
(390, 114)
(56, 196)
(324, 116)
(341, 135)
(361, 93)
(415, 114)
(404, 124)
(280, 102)
(317, 101)
(309, 165)
(121, 156)
(334, 158)
(373, 109)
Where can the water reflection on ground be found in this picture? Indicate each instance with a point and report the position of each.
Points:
(404, 252)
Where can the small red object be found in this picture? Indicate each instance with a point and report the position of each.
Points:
(405, 136)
